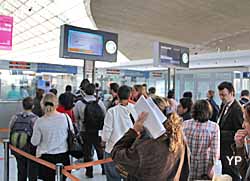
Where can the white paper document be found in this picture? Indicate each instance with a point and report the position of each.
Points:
(153, 122)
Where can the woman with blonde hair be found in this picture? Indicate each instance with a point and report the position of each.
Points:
(50, 136)
(140, 158)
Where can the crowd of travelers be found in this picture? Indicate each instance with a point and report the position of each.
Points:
(198, 133)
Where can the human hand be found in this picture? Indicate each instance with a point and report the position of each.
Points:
(239, 137)
(138, 126)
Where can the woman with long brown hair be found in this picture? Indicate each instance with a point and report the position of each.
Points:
(139, 157)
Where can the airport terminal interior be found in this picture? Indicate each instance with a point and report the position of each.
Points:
(171, 46)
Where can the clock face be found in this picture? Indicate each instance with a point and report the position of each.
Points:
(185, 58)
(111, 47)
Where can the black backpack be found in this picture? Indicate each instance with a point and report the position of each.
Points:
(93, 116)
(21, 130)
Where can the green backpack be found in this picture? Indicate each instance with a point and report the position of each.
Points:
(21, 131)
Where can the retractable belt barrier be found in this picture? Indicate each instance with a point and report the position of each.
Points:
(4, 130)
(43, 162)
(53, 166)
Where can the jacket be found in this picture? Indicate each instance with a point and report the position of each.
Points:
(244, 165)
(147, 159)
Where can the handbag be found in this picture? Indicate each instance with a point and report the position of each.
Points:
(75, 148)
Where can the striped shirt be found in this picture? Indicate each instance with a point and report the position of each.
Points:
(204, 142)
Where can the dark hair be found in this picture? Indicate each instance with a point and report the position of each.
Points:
(244, 93)
(54, 91)
(124, 92)
(188, 94)
(138, 88)
(68, 88)
(152, 90)
(84, 83)
(66, 100)
(186, 102)
(202, 111)
(90, 89)
(211, 93)
(226, 85)
(114, 87)
(171, 94)
(28, 103)
(144, 85)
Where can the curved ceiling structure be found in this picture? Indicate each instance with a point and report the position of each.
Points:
(204, 26)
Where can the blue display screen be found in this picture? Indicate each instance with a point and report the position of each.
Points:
(85, 43)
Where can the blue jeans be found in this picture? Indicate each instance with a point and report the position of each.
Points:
(110, 170)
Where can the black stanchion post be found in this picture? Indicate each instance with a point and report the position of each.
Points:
(59, 176)
(6, 159)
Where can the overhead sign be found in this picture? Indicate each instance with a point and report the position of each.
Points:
(167, 55)
(6, 28)
(113, 72)
(19, 65)
(246, 74)
(53, 68)
(133, 73)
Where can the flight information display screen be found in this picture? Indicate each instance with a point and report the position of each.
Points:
(85, 43)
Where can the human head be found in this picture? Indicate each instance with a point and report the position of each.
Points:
(39, 93)
(184, 106)
(161, 103)
(113, 89)
(84, 83)
(136, 91)
(210, 94)
(28, 103)
(151, 90)
(188, 94)
(90, 89)
(202, 111)
(49, 103)
(171, 94)
(246, 115)
(68, 88)
(226, 92)
(244, 93)
(144, 89)
(13, 86)
(66, 100)
(123, 92)
(53, 90)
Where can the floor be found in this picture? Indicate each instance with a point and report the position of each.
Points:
(78, 173)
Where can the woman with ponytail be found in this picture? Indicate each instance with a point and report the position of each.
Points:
(50, 136)
(141, 158)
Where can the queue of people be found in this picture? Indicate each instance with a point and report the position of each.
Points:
(197, 135)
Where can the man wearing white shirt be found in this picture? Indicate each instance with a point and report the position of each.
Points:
(117, 121)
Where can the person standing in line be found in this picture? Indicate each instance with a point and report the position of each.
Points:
(89, 111)
(113, 89)
(50, 136)
(230, 120)
(184, 108)
(37, 109)
(21, 130)
(203, 139)
(117, 121)
(215, 107)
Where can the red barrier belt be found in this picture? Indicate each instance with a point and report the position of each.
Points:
(87, 164)
(42, 162)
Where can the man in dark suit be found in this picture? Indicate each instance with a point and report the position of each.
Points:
(230, 120)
